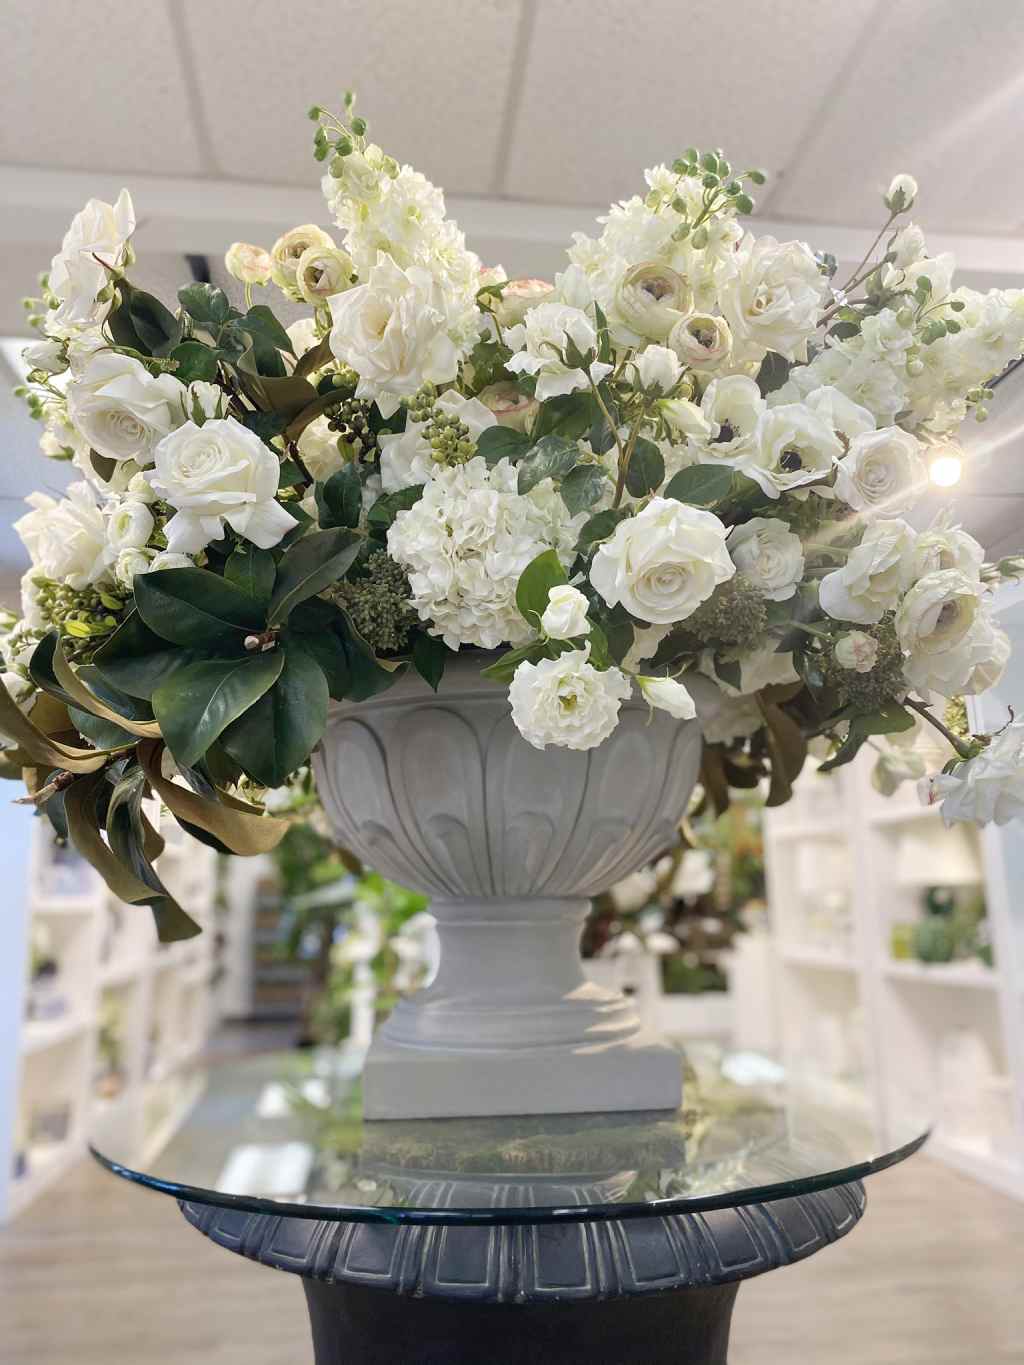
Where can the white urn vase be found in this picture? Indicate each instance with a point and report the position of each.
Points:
(440, 793)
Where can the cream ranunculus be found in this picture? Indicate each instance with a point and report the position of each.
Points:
(650, 300)
(772, 299)
(67, 539)
(567, 701)
(511, 407)
(170, 559)
(656, 369)
(393, 331)
(540, 341)
(519, 296)
(794, 446)
(288, 250)
(664, 562)
(701, 341)
(76, 276)
(870, 582)
(668, 695)
(947, 547)
(768, 555)
(857, 651)
(322, 271)
(988, 787)
(932, 622)
(248, 264)
(219, 472)
(882, 473)
(129, 563)
(121, 410)
(565, 616)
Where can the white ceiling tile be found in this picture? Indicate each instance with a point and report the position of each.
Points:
(431, 80)
(936, 91)
(92, 84)
(610, 88)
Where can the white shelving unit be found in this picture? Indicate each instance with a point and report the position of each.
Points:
(846, 870)
(97, 1051)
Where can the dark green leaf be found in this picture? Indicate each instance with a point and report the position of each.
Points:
(502, 443)
(569, 415)
(388, 506)
(535, 583)
(774, 372)
(700, 485)
(367, 678)
(195, 361)
(40, 668)
(303, 521)
(103, 733)
(582, 487)
(199, 702)
(155, 326)
(277, 735)
(132, 708)
(206, 305)
(261, 320)
(126, 834)
(251, 569)
(429, 655)
(503, 669)
(104, 468)
(196, 608)
(266, 425)
(340, 499)
(551, 458)
(887, 720)
(135, 660)
(601, 525)
(286, 394)
(317, 560)
(646, 469)
(327, 649)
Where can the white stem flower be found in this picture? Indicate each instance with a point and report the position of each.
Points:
(667, 694)
(565, 616)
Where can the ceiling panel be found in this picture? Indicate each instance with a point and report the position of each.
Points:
(431, 80)
(95, 84)
(937, 91)
(610, 88)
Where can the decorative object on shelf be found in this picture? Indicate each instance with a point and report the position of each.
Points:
(46, 997)
(670, 483)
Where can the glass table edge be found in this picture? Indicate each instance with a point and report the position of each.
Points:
(530, 1215)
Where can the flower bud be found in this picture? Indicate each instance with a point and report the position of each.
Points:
(901, 193)
(247, 263)
(857, 651)
(668, 695)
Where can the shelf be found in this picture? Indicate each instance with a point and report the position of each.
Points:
(812, 829)
(41, 1034)
(974, 975)
(903, 814)
(63, 905)
(800, 955)
(121, 973)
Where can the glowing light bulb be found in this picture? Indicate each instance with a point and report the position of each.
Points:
(945, 470)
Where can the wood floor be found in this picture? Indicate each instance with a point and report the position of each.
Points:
(101, 1273)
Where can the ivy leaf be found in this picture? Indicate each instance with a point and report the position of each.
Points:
(206, 305)
(551, 458)
(313, 563)
(535, 584)
(646, 470)
(195, 361)
(196, 608)
(429, 655)
(502, 443)
(277, 734)
(251, 569)
(582, 487)
(199, 702)
(700, 485)
(339, 500)
(388, 506)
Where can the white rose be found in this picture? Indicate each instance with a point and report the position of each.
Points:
(76, 275)
(121, 409)
(219, 472)
(66, 540)
(942, 547)
(511, 407)
(732, 407)
(129, 526)
(794, 446)
(772, 301)
(407, 458)
(248, 264)
(664, 562)
(540, 339)
(901, 193)
(129, 563)
(870, 582)
(857, 651)
(768, 555)
(988, 787)
(650, 300)
(668, 695)
(846, 418)
(519, 296)
(701, 341)
(288, 250)
(393, 331)
(882, 473)
(45, 355)
(565, 616)
(567, 701)
(319, 450)
(656, 369)
(322, 271)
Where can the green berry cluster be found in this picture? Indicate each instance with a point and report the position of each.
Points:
(420, 406)
(449, 438)
(351, 420)
(83, 616)
(378, 603)
(735, 615)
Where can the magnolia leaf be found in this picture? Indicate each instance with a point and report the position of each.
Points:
(314, 409)
(199, 702)
(135, 844)
(73, 690)
(312, 564)
(196, 608)
(388, 506)
(251, 569)
(277, 734)
(339, 500)
(47, 752)
(135, 660)
(429, 656)
(535, 584)
(315, 358)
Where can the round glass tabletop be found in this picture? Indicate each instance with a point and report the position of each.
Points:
(283, 1133)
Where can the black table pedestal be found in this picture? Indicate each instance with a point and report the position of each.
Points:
(643, 1291)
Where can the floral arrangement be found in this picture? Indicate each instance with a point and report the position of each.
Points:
(681, 467)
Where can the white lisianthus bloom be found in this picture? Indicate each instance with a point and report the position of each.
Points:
(857, 651)
(407, 458)
(882, 473)
(219, 472)
(511, 407)
(732, 407)
(701, 341)
(650, 299)
(794, 446)
(768, 555)
(129, 526)
(988, 787)
(131, 562)
(539, 342)
(45, 355)
(393, 331)
(567, 701)
(870, 582)
(467, 540)
(664, 562)
(846, 418)
(656, 369)
(947, 547)
(288, 250)
(248, 264)
(66, 540)
(519, 296)
(901, 193)
(565, 616)
(319, 450)
(76, 276)
(667, 694)
(322, 271)
(773, 301)
(121, 409)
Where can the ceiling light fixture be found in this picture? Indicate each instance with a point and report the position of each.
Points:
(945, 470)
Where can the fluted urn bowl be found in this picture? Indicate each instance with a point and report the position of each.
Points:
(441, 793)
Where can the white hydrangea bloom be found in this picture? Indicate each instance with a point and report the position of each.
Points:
(465, 543)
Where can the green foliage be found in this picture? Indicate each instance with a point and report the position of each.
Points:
(196, 608)
(388, 506)
(646, 469)
(276, 734)
(887, 720)
(311, 565)
(582, 487)
(700, 485)
(339, 500)
(200, 701)
(535, 583)
(551, 458)
(429, 655)
(502, 443)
